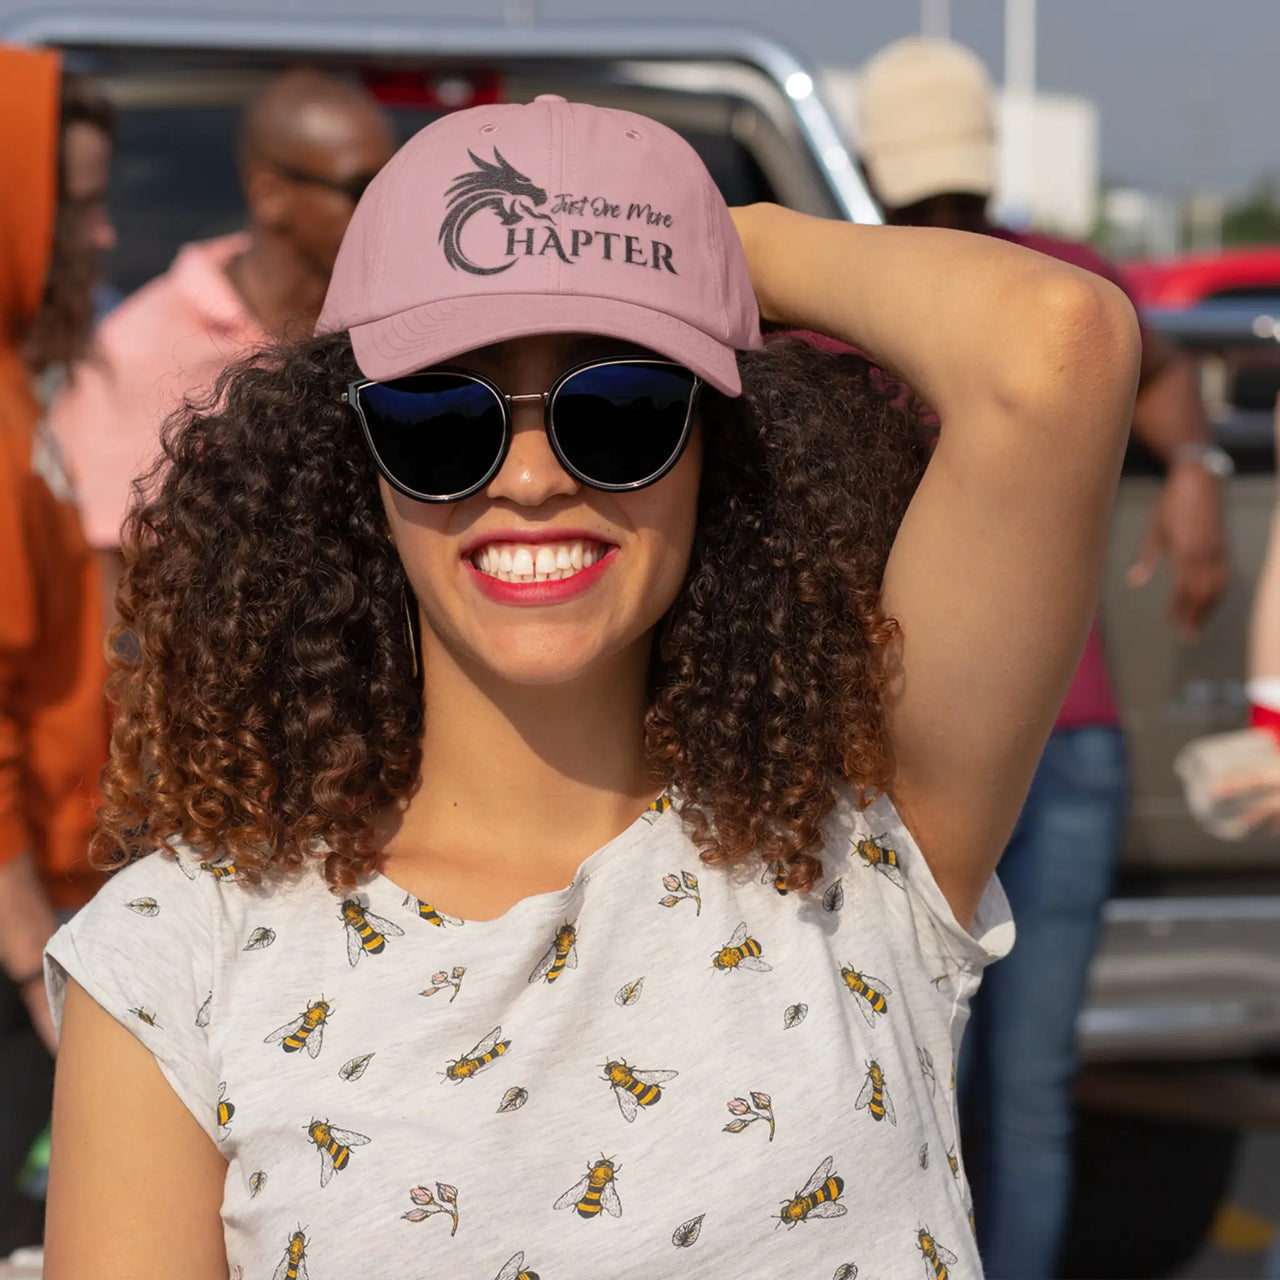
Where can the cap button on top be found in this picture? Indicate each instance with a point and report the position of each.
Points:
(549, 97)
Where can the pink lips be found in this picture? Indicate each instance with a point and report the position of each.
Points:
(554, 591)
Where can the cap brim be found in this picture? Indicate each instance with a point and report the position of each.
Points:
(904, 175)
(438, 331)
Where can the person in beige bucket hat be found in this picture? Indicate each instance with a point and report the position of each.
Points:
(927, 144)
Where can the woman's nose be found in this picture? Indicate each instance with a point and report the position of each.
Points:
(531, 474)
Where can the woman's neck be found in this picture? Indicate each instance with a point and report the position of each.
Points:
(524, 781)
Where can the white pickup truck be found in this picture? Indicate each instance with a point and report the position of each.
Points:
(1181, 1034)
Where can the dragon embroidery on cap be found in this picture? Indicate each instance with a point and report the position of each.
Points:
(496, 185)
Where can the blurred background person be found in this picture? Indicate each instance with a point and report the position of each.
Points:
(927, 149)
(309, 145)
(55, 150)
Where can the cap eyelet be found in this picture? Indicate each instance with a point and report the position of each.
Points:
(489, 128)
(633, 135)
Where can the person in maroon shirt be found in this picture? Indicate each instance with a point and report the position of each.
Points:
(927, 149)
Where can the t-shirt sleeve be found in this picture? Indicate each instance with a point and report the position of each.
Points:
(144, 949)
(943, 942)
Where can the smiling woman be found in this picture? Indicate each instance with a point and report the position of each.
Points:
(470, 627)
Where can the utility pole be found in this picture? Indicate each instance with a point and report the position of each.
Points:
(935, 19)
(1019, 109)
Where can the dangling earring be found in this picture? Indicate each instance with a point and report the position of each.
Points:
(410, 637)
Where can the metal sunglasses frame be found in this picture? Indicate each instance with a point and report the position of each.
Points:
(505, 402)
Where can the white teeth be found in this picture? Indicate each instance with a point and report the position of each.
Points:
(540, 562)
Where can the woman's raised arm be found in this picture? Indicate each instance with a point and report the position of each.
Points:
(1031, 366)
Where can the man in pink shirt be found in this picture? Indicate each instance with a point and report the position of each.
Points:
(927, 146)
(309, 146)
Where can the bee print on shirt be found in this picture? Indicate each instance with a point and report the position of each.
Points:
(367, 934)
(257, 1180)
(816, 1199)
(681, 888)
(595, 1190)
(936, 1258)
(657, 809)
(514, 1269)
(741, 952)
(224, 1111)
(875, 853)
(293, 1266)
(487, 1052)
(145, 1015)
(635, 1089)
(846, 1271)
(868, 993)
(874, 1097)
(562, 954)
(759, 1108)
(219, 868)
(425, 911)
(306, 1031)
(334, 1145)
(776, 875)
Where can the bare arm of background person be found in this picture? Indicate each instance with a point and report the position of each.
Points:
(1187, 521)
(994, 575)
(1263, 664)
(137, 1195)
(27, 923)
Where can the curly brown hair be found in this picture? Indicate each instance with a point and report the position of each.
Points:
(268, 707)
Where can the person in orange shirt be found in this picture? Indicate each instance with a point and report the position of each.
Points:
(55, 148)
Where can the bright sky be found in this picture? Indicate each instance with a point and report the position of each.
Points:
(1189, 90)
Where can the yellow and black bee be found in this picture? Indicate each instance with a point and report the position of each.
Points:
(816, 1199)
(334, 1145)
(874, 1097)
(936, 1258)
(868, 993)
(635, 1089)
(513, 1269)
(595, 1190)
(365, 931)
(225, 1110)
(953, 1160)
(144, 1015)
(305, 1031)
(776, 876)
(425, 911)
(882, 858)
(222, 870)
(293, 1265)
(657, 809)
(560, 955)
(740, 952)
(488, 1051)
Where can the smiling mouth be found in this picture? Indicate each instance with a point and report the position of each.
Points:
(537, 562)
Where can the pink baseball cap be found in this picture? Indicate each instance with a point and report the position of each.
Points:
(506, 221)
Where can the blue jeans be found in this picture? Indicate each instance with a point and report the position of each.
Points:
(1018, 1058)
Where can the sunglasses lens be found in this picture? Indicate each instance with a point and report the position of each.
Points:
(620, 425)
(438, 434)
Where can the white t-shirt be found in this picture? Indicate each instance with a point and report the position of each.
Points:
(664, 1069)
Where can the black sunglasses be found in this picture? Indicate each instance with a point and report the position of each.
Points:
(441, 436)
(353, 187)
